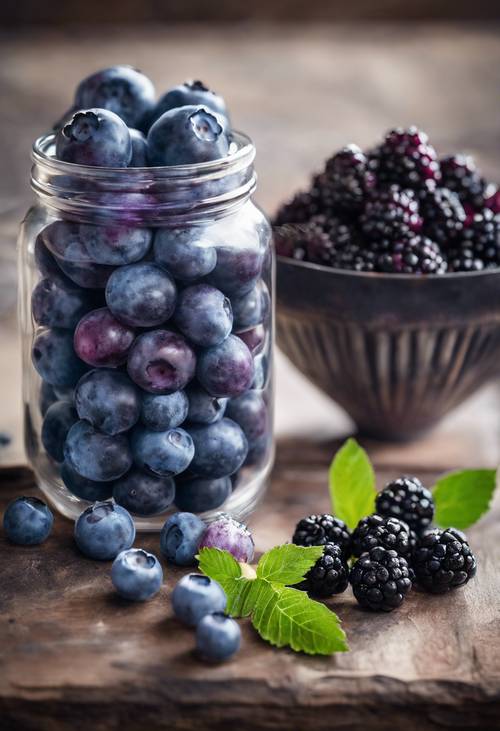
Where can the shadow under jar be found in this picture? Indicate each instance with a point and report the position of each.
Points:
(147, 327)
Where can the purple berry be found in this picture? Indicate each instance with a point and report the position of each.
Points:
(95, 137)
(254, 339)
(226, 369)
(101, 340)
(229, 535)
(161, 362)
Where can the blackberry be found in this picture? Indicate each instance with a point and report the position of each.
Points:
(442, 212)
(345, 181)
(459, 174)
(389, 214)
(318, 530)
(389, 533)
(411, 255)
(329, 575)
(356, 257)
(478, 244)
(406, 158)
(443, 561)
(380, 580)
(407, 499)
(300, 209)
(493, 201)
(307, 242)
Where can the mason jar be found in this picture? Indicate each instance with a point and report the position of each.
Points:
(146, 310)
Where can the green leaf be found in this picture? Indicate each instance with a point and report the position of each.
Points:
(461, 498)
(287, 617)
(225, 569)
(288, 564)
(352, 484)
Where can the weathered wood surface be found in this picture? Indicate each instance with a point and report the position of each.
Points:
(72, 656)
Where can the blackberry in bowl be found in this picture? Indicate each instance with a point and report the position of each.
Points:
(388, 274)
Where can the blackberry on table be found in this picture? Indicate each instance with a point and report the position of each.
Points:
(345, 181)
(459, 174)
(442, 212)
(443, 561)
(380, 579)
(406, 158)
(390, 213)
(407, 499)
(329, 575)
(389, 533)
(411, 255)
(478, 244)
(318, 530)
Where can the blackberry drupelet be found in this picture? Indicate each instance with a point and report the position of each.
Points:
(478, 244)
(407, 499)
(389, 533)
(459, 174)
(443, 561)
(300, 209)
(389, 214)
(380, 580)
(406, 158)
(345, 181)
(329, 575)
(318, 530)
(442, 213)
(411, 255)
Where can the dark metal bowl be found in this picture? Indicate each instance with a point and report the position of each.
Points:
(397, 352)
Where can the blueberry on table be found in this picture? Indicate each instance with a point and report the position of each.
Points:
(144, 494)
(188, 93)
(180, 538)
(101, 340)
(160, 412)
(219, 449)
(198, 495)
(108, 400)
(84, 488)
(139, 149)
(94, 137)
(136, 574)
(195, 596)
(103, 530)
(218, 637)
(161, 361)
(203, 407)
(58, 420)
(27, 521)
(203, 314)
(229, 535)
(226, 369)
(141, 295)
(164, 453)
(59, 303)
(55, 359)
(187, 253)
(187, 135)
(95, 455)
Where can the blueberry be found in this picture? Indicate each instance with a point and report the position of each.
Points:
(97, 456)
(188, 93)
(187, 135)
(219, 449)
(226, 369)
(218, 637)
(139, 149)
(203, 314)
(27, 521)
(238, 267)
(203, 407)
(188, 253)
(46, 397)
(180, 538)
(195, 596)
(254, 339)
(55, 359)
(95, 137)
(229, 535)
(101, 340)
(144, 494)
(103, 530)
(44, 261)
(141, 295)
(251, 309)
(84, 488)
(55, 304)
(65, 393)
(162, 412)
(108, 400)
(250, 412)
(121, 89)
(198, 496)
(261, 368)
(136, 574)
(165, 453)
(161, 361)
(58, 420)
(86, 274)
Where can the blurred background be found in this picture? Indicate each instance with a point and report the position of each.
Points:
(302, 77)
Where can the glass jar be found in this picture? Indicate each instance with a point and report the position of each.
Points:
(147, 329)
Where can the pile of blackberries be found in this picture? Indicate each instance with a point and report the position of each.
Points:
(396, 208)
(393, 549)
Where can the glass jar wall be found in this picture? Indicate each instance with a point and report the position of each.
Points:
(147, 328)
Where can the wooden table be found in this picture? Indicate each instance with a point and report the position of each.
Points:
(72, 655)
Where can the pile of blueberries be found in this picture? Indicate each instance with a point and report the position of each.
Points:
(105, 531)
(151, 344)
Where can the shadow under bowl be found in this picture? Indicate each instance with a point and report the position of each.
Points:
(396, 351)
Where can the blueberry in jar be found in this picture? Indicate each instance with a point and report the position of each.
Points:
(97, 456)
(55, 359)
(56, 302)
(226, 370)
(203, 407)
(136, 574)
(160, 412)
(195, 596)
(250, 309)
(220, 449)
(164, 453)
(94, 137)
(84, 488)
(144, 494)
(57, 422)
(108, 400)
(27, 521)
(101, 340)
(180, 538)
(103, 530)
(188, 93)
(141, 295)
(139, 149)
(203, 314)
(161, 361)
(187, 253)
(200, 495)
